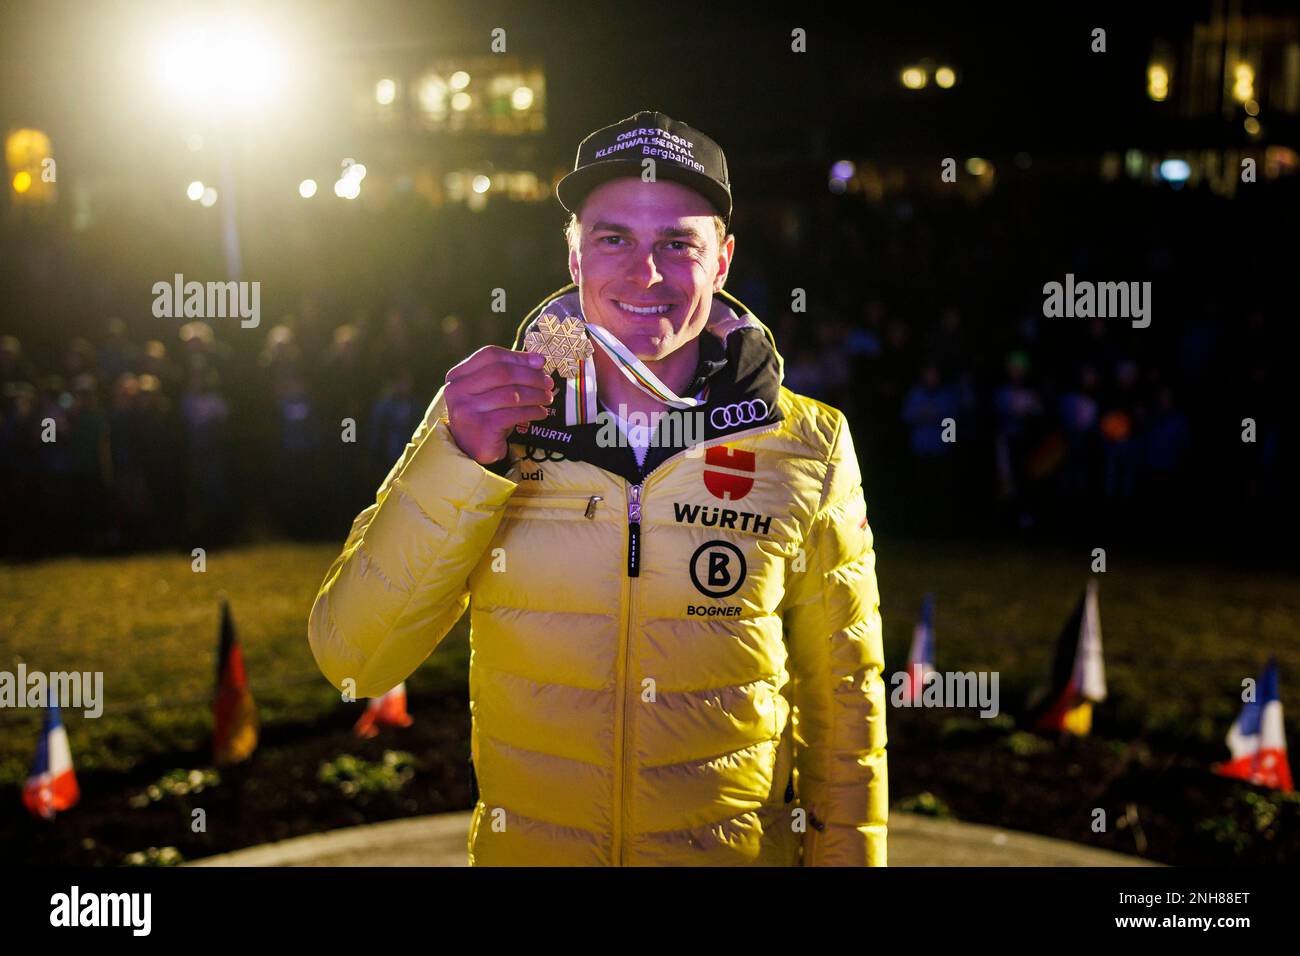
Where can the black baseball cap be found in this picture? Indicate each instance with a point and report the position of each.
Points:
(681, 153)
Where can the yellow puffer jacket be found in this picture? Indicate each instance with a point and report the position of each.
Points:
(675, 665)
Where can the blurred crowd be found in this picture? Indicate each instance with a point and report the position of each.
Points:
(159, 443)
(920, 317)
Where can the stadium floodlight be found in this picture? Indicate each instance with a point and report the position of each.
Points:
(231, 66)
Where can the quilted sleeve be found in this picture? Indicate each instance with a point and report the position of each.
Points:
(833, 631)
(400, 583)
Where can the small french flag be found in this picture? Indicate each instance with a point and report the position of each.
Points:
(1257, 739)
(52, 786)
(386, 711)
(920, 660)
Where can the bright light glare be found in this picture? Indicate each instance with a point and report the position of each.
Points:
(481, 184)
(460, 102)
(945, 77)
(459, 80)
(914, 78)
(385, 92)
(195, 191)
(349, 187)
(307, 188)
(209, 197)
(228, 66)
(22, 181)
(521, 98)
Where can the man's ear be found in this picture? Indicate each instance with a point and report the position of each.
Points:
(573, 265)
(725, 252)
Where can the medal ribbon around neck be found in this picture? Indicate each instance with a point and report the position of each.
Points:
(569, 352)
(633, 369)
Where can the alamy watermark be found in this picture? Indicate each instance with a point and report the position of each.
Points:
(678, 428)
(1100, 300)
(71, 690)
(208, 300)
(948, 689)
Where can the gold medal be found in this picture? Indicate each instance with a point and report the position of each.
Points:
(564, 342)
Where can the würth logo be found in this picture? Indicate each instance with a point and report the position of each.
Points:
(736, 480)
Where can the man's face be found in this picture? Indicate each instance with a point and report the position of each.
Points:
(648, 245)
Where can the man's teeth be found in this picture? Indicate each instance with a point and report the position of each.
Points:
(648, 310)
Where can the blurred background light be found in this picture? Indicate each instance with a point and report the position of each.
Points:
(22, 182)
(209, 197)
(385, 92)
(914, 78)
(307, 188)
(945, 77)
(195, 191)
(459, 80)
(481, 184)
(977, 166)
(1243, 87)
(1158, 82)
(461, 101)
(521, 98)
(1175, 170)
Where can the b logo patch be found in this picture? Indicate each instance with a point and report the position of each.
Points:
(717, 569)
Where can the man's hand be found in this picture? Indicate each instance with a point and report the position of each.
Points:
(490, 393)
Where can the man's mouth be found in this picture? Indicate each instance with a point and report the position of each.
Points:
(643, 309)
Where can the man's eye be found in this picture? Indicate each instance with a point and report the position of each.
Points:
(608, 238)
(680, 245)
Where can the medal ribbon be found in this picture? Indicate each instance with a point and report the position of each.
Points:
(633, 369)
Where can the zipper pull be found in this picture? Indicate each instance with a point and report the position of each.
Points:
(591, 506)
(634, 531)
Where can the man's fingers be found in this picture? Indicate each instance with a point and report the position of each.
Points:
(490, 355)
(511, 396)
(503, 373)
(503, 419)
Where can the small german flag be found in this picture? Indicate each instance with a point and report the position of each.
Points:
(1078, 673)
(234, 736)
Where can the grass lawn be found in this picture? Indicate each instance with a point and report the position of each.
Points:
(151, 625)
(1178, 641)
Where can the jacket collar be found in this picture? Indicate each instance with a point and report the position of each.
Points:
(739, 363)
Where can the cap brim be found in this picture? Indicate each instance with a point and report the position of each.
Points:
(577, 185)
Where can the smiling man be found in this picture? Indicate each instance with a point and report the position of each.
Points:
(675, 635)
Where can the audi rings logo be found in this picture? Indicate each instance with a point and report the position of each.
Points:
(741, 413)
(532, 453)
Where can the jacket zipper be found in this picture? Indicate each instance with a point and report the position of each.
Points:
(634, 531)
(634, 506)
(620, 739)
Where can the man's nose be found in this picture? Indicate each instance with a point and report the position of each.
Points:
(643, 269)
